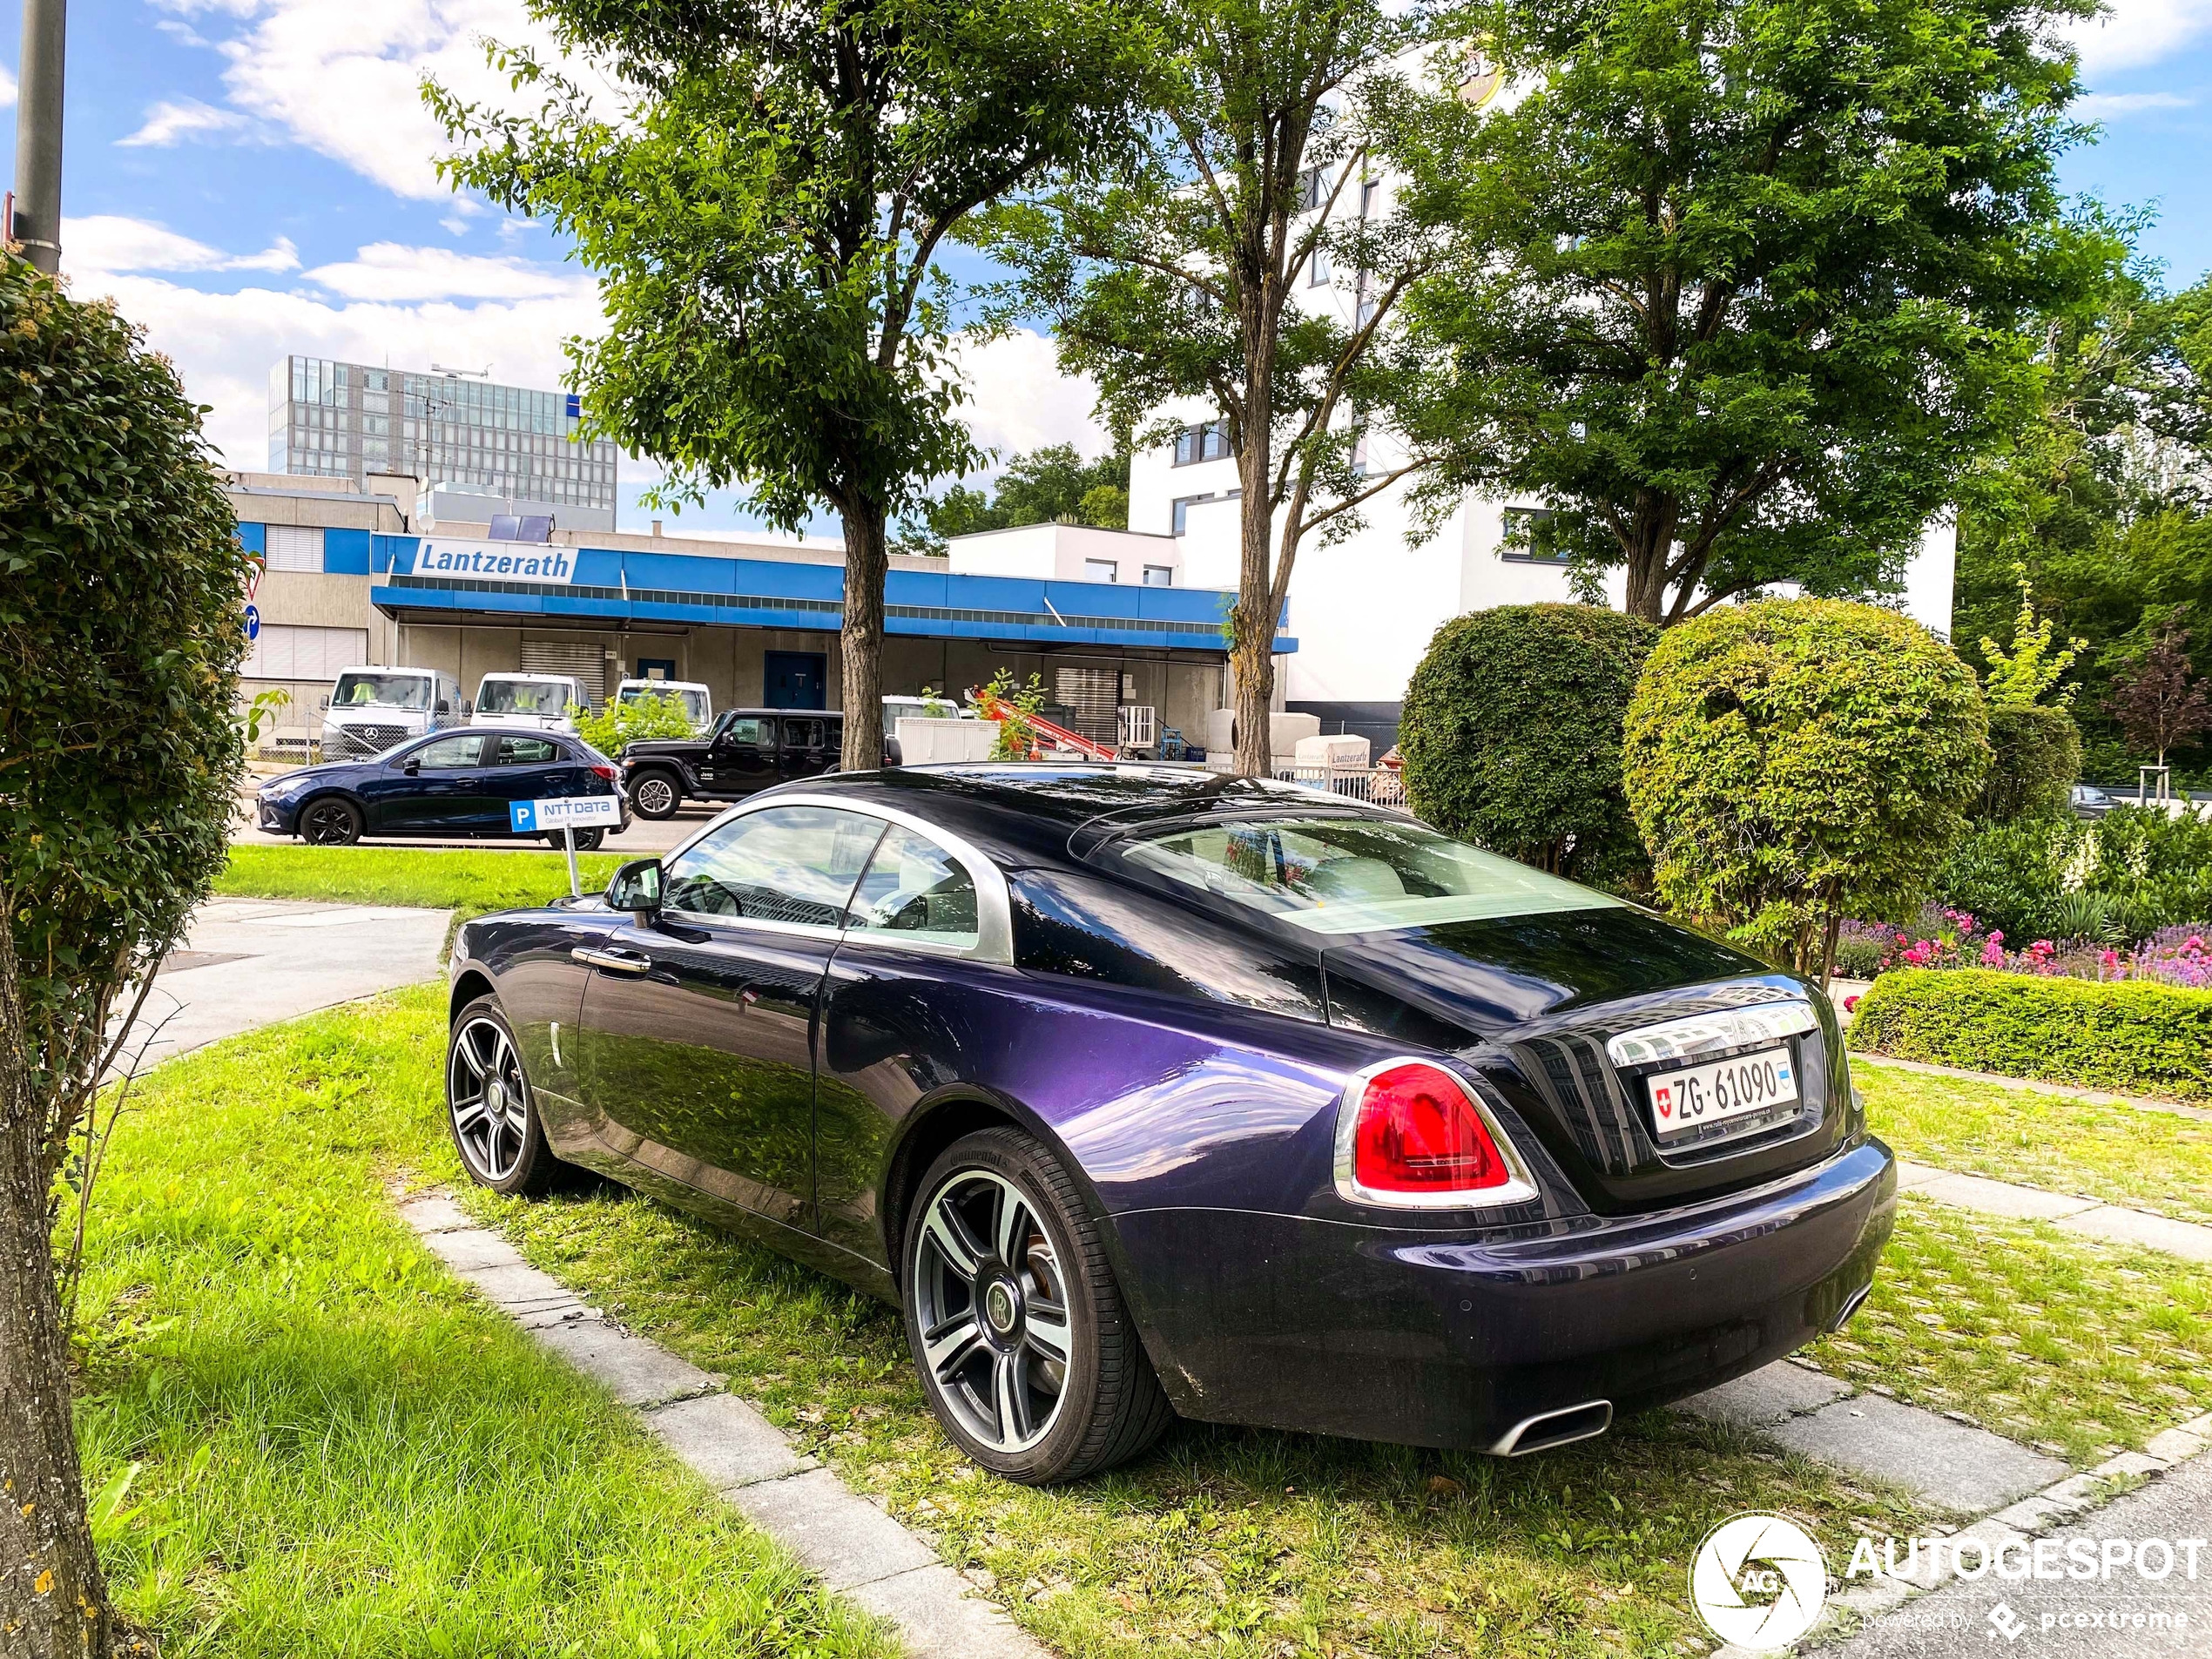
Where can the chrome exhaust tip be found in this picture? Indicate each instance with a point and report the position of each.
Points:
(1852, 1303)
(1547, 1429)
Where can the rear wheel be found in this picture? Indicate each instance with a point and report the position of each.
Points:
(489, 1107)
(329, 821)
(587, 840)
(1026, 1353)
(656, 794)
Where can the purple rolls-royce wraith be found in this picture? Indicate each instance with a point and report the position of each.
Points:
(1145, 1091)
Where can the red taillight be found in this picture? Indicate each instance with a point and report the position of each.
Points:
(608, 772)
(1416, 1131)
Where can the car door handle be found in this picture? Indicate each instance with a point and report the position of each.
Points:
(615, 961)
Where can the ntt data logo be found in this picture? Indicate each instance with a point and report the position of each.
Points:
(1758, 1581)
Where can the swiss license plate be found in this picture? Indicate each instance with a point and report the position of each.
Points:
(1744, 1087)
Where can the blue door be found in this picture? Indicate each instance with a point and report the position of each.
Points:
(796, 679)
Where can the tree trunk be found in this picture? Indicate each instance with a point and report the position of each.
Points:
(1252, 656)
(867, 563)
(53, 1601)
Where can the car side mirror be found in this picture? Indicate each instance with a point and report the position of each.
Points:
(443, 707)
(635, 888)
(413, 767)
(323, 707)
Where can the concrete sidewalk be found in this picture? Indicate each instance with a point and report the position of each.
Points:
(248, 962)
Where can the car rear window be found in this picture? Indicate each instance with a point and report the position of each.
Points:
(1349, 875)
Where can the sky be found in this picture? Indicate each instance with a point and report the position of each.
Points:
(250, 178)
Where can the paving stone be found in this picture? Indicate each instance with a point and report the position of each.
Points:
(2003, 1199)
(544, 1318)
(2126, 1465)
(2189, 1240)
(2173, 1445)
(1944, 1462)
(935, 1616)
(637, 1372)
(1931, 1568)
(435, 1213)
(519, 1286)
(726, 1441)
(847, 1540)
(467, 1248)
(1912, 1176)
(1766, 1397)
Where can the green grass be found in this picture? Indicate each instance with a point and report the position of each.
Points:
(339, 1451)
(2083, 1349)
(2148, 1160)
(472, 882)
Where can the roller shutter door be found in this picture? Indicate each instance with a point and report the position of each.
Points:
(286, 651)
(586, 661)
(1089, 695)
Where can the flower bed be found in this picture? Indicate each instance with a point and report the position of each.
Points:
(2134, 1036)
(1948, 938)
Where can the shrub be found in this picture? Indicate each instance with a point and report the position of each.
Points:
(2152, 869)
(1511, 734)
(652, 715)
(1792, 762)
(2135, 1035)
(2013, 876)
(2036, 760)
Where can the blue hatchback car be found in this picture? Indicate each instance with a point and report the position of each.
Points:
(452, 784)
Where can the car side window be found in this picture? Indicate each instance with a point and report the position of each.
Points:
(785, 864)
(750, 733)
(914, 890)
(802, 734)
(447, 754)
(526, 751)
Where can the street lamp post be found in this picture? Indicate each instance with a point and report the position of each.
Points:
(38, 228)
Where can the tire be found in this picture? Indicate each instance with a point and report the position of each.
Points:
(330, 820)
(587, 840)
(656, 794)
(991, 1381)
(501, 1144)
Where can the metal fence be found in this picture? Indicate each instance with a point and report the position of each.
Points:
(1381, 785)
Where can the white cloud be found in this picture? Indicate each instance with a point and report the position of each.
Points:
(105, 243)
(2099, 106)
(1018, 400)
(2132, 33)
(7, 87)
(167, 122)
(390, 271)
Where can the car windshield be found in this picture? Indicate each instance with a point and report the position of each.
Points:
(693, 702)
(522, 696)
(1348, 875)
(383, 691)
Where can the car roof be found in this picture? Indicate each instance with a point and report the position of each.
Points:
(810, 714)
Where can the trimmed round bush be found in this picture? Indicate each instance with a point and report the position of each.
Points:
(1511, 735)
(2036, 760)
(1795, 761)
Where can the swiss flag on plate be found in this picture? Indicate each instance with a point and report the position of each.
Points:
(1665, 1099)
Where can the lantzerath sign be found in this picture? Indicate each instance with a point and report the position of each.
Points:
(516, 561)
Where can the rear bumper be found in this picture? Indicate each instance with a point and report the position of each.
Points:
(1429, 1339)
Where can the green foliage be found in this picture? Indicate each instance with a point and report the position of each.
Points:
(1794, 762)
(2129, 1036)
(1734, 286)
(2119, 878)
(1011, 702)
(121, 623)
(2012, 875)
(2019, 677)
(264, 711)
(2037, 750)
(2154, 867)
(1053, 485)
(654, 715)
(1511, 734)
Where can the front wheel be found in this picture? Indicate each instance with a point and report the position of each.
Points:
(655, 795)
(587, 840)
(489, 1107)
(330, 821)
(1028, 1354)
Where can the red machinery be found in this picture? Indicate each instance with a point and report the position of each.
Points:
(993, 708)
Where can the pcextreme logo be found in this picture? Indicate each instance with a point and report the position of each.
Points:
(1758, 1581)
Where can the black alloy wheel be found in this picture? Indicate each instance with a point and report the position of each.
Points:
(330, 821)
(656, 795)
(1027, 1353)
(489, 1107)
(587, 840)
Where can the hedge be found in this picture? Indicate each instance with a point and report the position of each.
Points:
(2038, 761)
(2131, 1036)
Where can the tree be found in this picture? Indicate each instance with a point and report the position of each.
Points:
(1511, 734)
(1794, 762)
(2020, 677)
(1170, 280)
(122, 621)
(2159, 702)
(764, 210)
(1732, 288)
(1053, 485)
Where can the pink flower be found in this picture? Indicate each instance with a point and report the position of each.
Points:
(2110, 958)
(2193, 943)
(1996, 935)
(1850, 1005)
(1992, 954)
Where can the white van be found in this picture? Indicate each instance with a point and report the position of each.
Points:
(369, 709)
(549, 702)
(698, 701)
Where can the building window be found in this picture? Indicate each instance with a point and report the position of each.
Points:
(1317, 268)
(1102, 570)
(1313, 189)
(293, 547)
(1369, 190)
(1207, 442)
(1532, 536)
(1359, 447)
(1185, 504)
(1159, 576)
